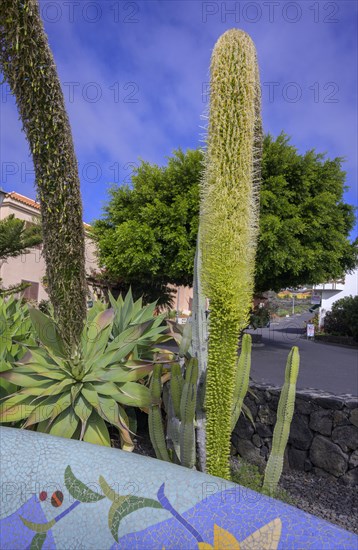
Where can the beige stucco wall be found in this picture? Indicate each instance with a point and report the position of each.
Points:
(27, 267)
(31, 266)
(183, 298)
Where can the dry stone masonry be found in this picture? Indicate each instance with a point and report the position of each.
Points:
(323, 436)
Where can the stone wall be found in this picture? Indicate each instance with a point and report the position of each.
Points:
(323, 436)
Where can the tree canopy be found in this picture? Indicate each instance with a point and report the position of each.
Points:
(16, 237)
(147, 235)
(304, 221)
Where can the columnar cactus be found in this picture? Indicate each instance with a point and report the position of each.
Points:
(180, 404)
(281, 431)
(242, 379)
(199, 348)
(228, 226)
(187, 415)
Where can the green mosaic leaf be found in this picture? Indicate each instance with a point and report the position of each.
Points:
(37, 541)
(131, 504)
(79, 490)
(38, 527)
(109, 493)
(113, 521)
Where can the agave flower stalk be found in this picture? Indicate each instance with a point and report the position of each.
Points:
(27, 63)
(228, 226)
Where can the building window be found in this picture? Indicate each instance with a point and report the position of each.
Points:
(32, 291)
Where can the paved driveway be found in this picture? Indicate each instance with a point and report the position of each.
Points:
(323, 366)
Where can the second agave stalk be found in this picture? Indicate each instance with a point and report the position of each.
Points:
(228, 226)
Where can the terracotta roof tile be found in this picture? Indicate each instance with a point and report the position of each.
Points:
(30, 202)
(24, 200)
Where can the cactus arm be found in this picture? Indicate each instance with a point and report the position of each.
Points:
(155, 422)
(173, 410)
(176, 388)
(200, 352)
(173, 432)
(242, 379)
(281, 431)
(187, 413)
(228, 227)
(185, 343)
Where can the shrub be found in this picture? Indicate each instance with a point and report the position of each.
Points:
(343, 319)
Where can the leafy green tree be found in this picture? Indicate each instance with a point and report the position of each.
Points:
(304, 221)
(27, 64)
(148, 233)
(16, 238)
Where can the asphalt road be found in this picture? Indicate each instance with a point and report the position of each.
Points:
(323, 366)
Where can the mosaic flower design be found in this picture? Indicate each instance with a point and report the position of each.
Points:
(265, 538)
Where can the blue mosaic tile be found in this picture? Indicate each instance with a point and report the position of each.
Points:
(63, 494)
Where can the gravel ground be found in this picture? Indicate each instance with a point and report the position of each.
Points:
(329, 500)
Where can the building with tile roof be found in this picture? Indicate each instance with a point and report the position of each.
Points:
(30, 267)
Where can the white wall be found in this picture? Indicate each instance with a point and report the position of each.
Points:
(331, 292)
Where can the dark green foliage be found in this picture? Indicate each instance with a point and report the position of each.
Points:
(342, 320)
(45, 307)
(260, 317)
(28, 66)
(16, 237)
(249, 475)
(304, 221)
(149, 291)
(148, 234)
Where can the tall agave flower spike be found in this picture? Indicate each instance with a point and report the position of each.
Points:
(228, 226)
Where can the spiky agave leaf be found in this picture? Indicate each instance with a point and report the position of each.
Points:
(15, 332)
(129, 314)
(155, 421)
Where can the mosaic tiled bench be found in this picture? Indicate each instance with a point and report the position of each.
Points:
(64, 494)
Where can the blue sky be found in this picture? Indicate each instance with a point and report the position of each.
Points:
(135, 76)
